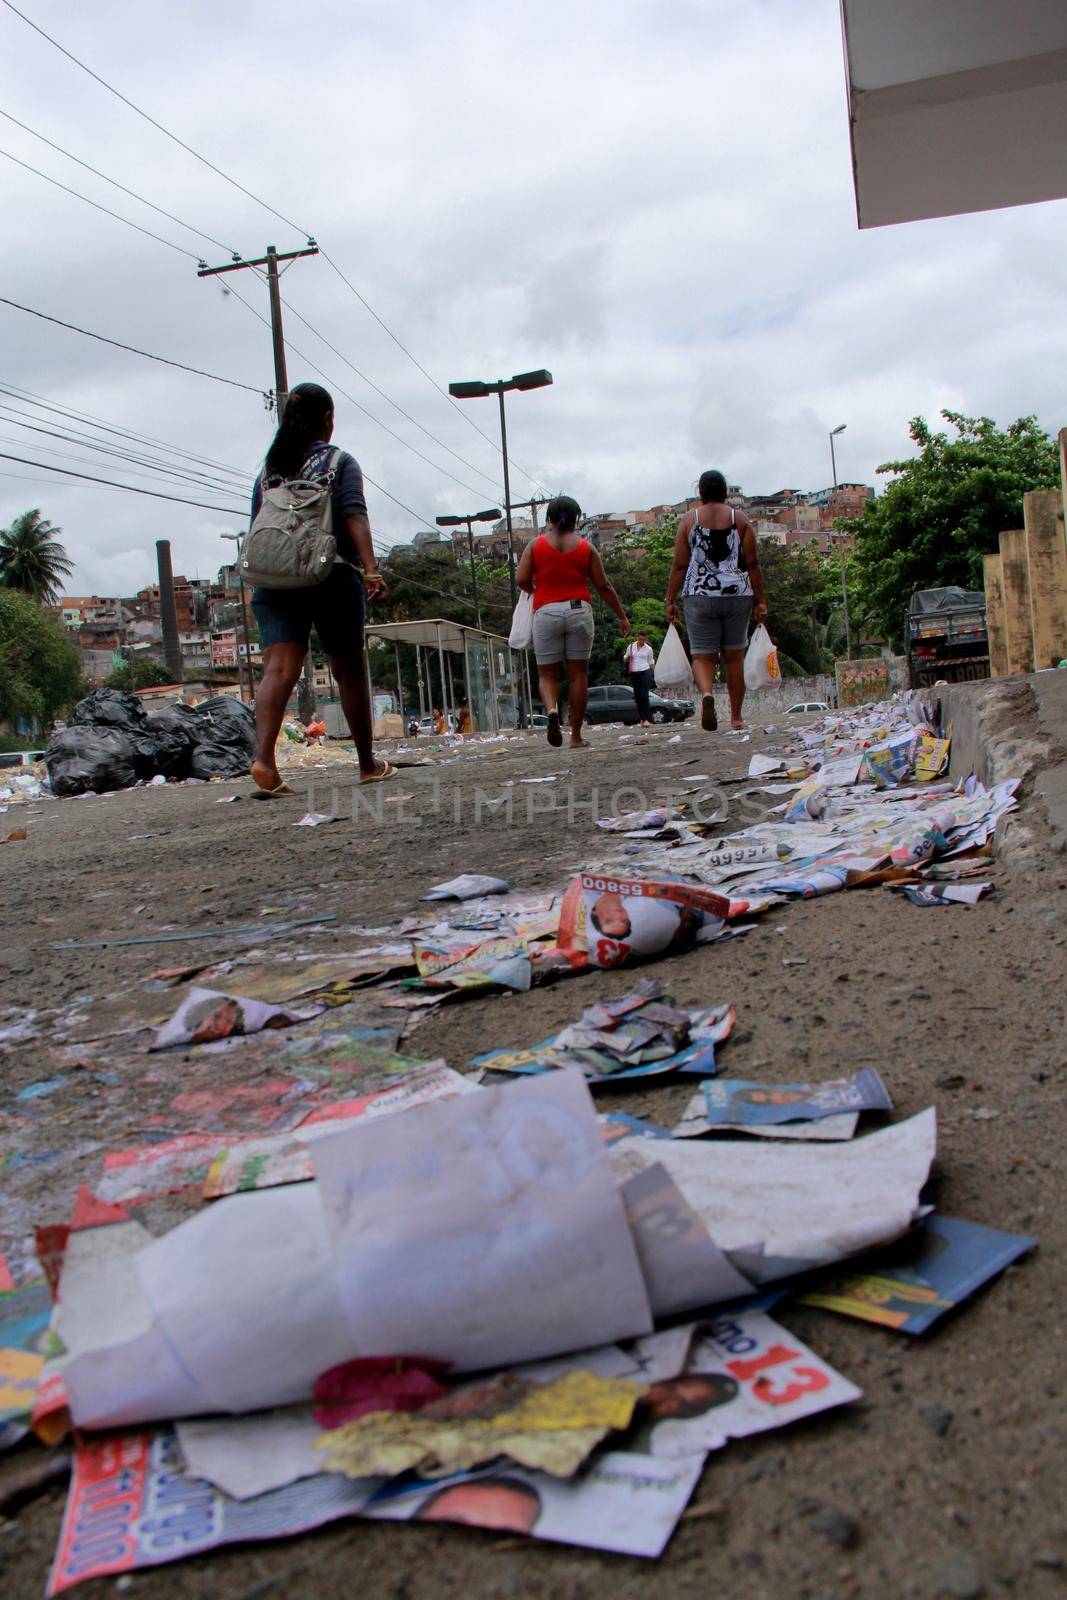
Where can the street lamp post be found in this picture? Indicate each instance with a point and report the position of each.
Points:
(840, 549)
(236, 537)
(477, 390)
(454, 522)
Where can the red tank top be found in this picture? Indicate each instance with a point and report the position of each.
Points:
(558, 574)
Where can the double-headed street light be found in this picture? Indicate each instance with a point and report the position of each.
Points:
(477, 390)
(492, 515)
(840, 549)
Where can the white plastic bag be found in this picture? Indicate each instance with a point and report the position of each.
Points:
(672, 663)
(521, 635)
(761, 661)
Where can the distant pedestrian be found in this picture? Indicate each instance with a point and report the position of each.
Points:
(640, 659)
(440, 721)
(335, 608)
(717, 569)
(557, 569)
(464, 723)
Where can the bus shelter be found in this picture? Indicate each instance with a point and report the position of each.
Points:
(454, 663)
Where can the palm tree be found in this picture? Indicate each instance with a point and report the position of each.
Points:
(32, 558)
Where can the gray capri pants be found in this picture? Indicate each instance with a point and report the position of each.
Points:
(717, 622)
(562, 631)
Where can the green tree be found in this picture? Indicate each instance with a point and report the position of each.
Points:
(40, 670)
(32, 559)
(140, 672)
(945, 509)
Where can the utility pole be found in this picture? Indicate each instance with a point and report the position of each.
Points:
(306, 691)
(490, 515)
(840, 548)
(531, 506)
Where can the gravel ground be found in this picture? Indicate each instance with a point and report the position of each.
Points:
(960, 1008)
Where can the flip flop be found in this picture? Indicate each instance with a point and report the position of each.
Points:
(379, 777)
(555, 733)
(708, 718)
(277, 793)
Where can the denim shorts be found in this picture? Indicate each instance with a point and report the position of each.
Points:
(335, 608)
(717, 622)
(562, 631)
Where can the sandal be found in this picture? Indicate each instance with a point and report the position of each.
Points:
(555, 733)
(388, 771)
(708, 719)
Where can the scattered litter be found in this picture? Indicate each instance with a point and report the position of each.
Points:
(467, 886)
(315, 819)
(736, 1102)
(638, 1035)
(942, 894)
(551, 1427)
(913, 1283)
(16, 836)
(206, 1015)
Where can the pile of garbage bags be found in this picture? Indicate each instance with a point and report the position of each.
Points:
(111, 742)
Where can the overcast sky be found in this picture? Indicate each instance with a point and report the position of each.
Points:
(652, 198)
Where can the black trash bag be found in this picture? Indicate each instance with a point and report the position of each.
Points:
(215, 760)
(178, 715)
(175, 732)
(82, 759)
(109, 708)
(232, 723)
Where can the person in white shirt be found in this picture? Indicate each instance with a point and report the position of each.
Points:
(639, 659)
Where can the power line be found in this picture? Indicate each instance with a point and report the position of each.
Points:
(274, 213)
(342, 357)
(113, 181)
(167, 362)
(139, 466)
(98, 207)
(352, 399)
(44, 404)
(468, 419)
(36, 424)
(130, 488)
(126, 101)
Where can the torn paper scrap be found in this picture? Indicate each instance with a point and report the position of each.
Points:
(694, 1122)
(682, 1268)
(467, 886)
(912, 1283)
(550, 1427)
(205, 1016)
(604, 920)
(624, 1502)
(780, 1208)
(738, 1101)
(132, 1504)
(250, 1456)
(744, 1374)
(501, 1205)
(503, 1208)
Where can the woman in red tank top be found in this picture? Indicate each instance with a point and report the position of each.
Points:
(557, 569)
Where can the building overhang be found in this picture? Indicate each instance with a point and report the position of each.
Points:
(955, 105)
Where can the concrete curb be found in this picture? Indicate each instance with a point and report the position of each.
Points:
(1014, 728)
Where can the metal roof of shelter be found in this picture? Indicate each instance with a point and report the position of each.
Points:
(432, 632)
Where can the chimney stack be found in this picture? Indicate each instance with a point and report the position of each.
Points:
(168, 612)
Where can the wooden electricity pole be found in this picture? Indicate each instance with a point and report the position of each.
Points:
(306, 693)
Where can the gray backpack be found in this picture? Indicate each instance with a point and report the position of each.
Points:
(291, 544)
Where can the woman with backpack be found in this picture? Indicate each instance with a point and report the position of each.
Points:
(717, 569)
(336, 606)
(557, 569)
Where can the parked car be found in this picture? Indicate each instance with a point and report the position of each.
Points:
(614, 702)
(806, 705)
